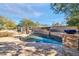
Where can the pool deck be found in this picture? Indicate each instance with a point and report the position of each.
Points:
(13, 46)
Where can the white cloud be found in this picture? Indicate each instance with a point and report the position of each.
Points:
(22, 10)
(37, 14)
(32, 11)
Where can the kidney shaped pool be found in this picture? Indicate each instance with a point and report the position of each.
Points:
(33, 38)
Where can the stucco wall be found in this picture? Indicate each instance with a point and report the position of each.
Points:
(62, 28)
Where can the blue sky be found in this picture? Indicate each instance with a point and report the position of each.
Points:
(36, 12)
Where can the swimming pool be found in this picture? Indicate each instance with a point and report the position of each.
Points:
(33, 38)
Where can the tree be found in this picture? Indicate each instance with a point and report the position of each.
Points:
(28, 23)
(6, 23)
(71, 10)
(73, 21)
(57, 24)
(67, 8)
(2, 20)
(9, 24)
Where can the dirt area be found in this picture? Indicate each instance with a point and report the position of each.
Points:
(10, 39)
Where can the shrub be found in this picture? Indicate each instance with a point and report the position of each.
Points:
(5, 34)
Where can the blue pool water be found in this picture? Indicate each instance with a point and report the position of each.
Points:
(42, 39)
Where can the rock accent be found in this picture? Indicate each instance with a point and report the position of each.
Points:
(52, 53)
(70, 41)
(71, 45)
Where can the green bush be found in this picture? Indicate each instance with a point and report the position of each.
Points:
(5, 34)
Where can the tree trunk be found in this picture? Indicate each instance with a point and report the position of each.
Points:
(27, 30)
(78, 29)
(78, 44)
(49, 33)
(78, 38)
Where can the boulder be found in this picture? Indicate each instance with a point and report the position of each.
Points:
(33, 49)
(9, 54)
(52, 53)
